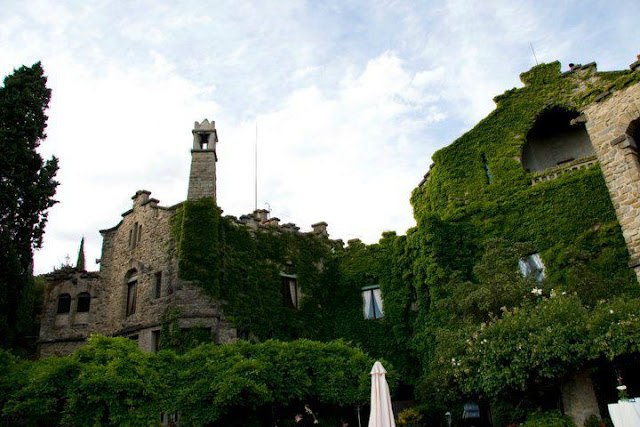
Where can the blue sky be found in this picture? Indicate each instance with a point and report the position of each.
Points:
(351, 98)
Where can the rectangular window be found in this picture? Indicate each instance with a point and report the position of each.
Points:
(135, 234)
(155, 341)
(487, 172)
(291, 294)
(157, 290)
(131, 297)
(204, 141)
(531, 265)
(84, 302)
(372, 302)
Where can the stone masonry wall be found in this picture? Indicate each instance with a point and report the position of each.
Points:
(151, 257)
(608, 126)
(202, 179)
(61, 333)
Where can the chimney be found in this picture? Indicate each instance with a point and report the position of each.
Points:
(141, 197)
(320, 229)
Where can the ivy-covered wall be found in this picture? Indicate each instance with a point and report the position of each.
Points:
(478, 191)
(242, 268)
(454, 274)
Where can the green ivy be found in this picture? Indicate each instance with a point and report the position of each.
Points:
(468, 283)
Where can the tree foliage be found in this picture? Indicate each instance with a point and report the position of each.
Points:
(27, 187)
(111, 382)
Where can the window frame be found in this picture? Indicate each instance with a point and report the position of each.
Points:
(65, 299)
(369, 307)
(80, 301)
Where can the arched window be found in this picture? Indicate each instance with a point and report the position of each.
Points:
(556, 139)
(84, 302)
(64, 303)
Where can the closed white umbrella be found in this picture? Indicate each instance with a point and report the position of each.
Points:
(381, 411)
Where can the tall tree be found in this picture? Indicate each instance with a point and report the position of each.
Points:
(80, 262)
(27, 187)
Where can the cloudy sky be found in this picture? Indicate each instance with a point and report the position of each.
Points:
(351, 98)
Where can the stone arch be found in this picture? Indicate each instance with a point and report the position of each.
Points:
(558, 137)
(633, 133)
(613, 124)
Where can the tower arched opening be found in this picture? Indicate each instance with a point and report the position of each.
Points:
(557, 138)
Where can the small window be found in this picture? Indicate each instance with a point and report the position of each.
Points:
(372, 302)
(531, 265)
(84, 302)
(132, 286)
(64, 303)
(157, 290)
(291, 294)
(139, 234)
(487, 172)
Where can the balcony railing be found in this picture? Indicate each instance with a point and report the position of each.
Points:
(557, 171)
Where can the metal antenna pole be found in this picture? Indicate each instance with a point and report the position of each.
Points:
(255, 194)
(534, 53)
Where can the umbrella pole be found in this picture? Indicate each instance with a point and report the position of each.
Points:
(359, 422)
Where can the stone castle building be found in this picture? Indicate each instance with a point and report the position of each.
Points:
(138, 279)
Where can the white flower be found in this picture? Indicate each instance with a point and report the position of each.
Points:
(564, 293)
(622, 387)
(536, 291)
(611, 311)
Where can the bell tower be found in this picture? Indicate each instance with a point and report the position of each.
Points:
(202, 178)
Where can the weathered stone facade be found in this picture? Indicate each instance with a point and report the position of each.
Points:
(138, 265)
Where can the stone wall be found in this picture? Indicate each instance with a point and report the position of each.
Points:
(608, 125)
(139, 245)
(202, 179)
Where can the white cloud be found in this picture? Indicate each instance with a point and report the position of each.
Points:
(351, 99)
(346, 158)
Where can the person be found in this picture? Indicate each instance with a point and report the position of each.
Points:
(299, 419)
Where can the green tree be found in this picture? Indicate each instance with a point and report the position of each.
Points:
(27, 187)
